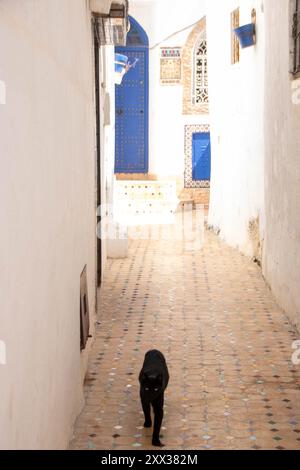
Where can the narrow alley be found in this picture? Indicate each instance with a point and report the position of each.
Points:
(149, 199)
(227, 343)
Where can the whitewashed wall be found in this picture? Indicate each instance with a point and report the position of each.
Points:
(107, 140)
(282, 165)
(160, 19)
(236, 111)
(47, 209)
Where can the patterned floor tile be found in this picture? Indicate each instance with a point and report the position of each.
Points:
(227, 344)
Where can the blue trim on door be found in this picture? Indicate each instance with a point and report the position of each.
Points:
(132, 106)
(201, 156)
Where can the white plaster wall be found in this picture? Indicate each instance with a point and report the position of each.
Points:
(236, 112)
(110, 246)
(282, 165)
(160, 19)
(107, 140)
(47, 209)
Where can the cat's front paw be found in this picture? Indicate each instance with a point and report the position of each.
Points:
(148, 424)
(157, 443)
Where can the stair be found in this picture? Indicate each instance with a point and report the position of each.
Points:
(145, 202)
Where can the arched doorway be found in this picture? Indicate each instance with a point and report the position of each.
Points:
(132, 107)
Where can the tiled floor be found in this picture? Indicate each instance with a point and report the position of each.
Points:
(228, 347)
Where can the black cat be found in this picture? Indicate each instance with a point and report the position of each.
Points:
(154, 378)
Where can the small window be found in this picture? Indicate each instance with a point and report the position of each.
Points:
(235, 45)
(296, 37)
(200, 88)
(84, 311)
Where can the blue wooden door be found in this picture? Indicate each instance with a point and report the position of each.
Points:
(132, 114)
(201, 156)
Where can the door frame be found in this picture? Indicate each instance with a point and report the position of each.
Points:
(98, 157)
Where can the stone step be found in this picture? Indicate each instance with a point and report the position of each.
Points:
(195, 196)
(133, 191)
(145, 202)
(136, 177)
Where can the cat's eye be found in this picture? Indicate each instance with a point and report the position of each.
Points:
(147, 389)
(156, 389)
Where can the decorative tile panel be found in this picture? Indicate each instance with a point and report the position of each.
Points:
(170, 66)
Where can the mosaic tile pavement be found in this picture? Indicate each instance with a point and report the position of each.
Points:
(228, 347)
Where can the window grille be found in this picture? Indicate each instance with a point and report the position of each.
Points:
(200, 91)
